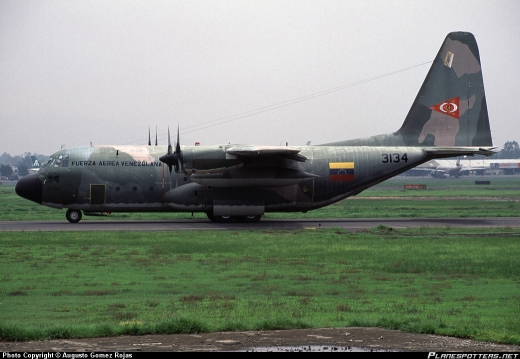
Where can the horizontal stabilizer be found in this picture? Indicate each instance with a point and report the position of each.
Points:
(459, 151)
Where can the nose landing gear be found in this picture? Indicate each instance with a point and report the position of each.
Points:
(73, 215)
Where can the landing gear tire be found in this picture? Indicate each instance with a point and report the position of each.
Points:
(220, 219)
(249, 219)
(73, 216)
(224, 219)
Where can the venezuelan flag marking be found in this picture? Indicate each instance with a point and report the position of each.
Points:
(341, 171)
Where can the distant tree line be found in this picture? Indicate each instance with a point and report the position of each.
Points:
(23, 162)
(6, 170)
(511, 150)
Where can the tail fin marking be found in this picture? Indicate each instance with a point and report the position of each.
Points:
(450, 108)
(436, 117)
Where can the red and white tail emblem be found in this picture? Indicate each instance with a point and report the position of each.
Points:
(449, 107)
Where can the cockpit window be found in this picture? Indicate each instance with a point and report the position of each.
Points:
(59, 161)
(48, 163)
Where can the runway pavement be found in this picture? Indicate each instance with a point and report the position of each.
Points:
(351, 225)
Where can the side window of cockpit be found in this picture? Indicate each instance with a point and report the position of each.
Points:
(57, 163)
(65, 161)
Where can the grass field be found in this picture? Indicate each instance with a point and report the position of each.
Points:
(446, 281)
(443, 281)
(446, 198)
(503, 187)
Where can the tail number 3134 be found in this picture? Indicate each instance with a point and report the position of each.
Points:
(394, 157)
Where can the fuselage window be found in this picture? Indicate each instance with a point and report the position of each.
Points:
(53, 178)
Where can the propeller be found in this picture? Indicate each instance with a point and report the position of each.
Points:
(174, 159)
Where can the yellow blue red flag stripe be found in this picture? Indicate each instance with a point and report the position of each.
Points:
(341, 171)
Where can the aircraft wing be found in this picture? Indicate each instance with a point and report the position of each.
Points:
(266, 151)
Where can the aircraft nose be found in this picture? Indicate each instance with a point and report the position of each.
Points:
(30, 187)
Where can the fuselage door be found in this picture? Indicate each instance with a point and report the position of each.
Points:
(97, 194)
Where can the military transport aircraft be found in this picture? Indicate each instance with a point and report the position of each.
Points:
(241, 182)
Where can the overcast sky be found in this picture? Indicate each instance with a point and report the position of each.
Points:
(75, 72)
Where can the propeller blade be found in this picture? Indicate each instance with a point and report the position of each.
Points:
(178, 147)
(168, 155)
(167, 158)
(178, 152)
(156, 135)
(149, 140)
(169, 142)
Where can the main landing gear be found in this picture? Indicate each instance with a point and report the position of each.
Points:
(73, 215)
(229, 219)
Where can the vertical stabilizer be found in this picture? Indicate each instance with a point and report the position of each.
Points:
(450, 108)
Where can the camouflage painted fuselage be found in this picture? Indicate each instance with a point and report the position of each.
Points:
(131, 178)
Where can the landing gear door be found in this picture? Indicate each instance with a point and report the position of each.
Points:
(238, 208)
(97, 194)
